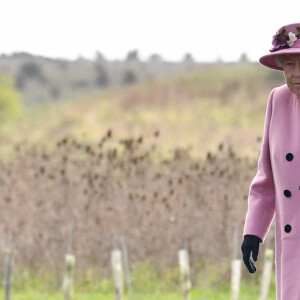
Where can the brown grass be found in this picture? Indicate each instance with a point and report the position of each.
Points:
(159, 206)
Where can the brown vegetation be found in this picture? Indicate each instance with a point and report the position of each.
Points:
(159, 206)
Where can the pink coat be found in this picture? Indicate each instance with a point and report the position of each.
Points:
(275, 189)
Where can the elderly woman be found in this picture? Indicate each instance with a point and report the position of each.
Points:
(275, 189)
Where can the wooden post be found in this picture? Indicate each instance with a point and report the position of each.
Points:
(9, 266)
(70, 260)
(116, 261)
(69, 276)
(267, 274)
(236, 265)
(126, 264)
(185, 275)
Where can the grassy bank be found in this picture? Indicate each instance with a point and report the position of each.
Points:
(247, 292)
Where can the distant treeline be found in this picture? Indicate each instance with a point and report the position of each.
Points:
(40, 79)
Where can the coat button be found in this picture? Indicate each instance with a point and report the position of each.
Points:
(287, 228)
(287, 193)
(289, 157)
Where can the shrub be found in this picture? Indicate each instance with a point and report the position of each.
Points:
(10, 104)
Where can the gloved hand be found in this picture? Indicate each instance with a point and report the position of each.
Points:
(250, 244)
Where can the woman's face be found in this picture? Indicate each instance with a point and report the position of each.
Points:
(291, 69)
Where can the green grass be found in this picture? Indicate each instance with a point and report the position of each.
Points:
(211, 283)
(247, 292)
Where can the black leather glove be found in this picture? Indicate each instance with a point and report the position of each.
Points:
(250, 244)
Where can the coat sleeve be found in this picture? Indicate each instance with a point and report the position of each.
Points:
(261, 199)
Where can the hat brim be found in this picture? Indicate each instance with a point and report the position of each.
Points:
(269, 59)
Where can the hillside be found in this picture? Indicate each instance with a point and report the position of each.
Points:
(40, 79)
(196, 110)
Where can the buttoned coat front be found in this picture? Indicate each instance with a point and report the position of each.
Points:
(275, 189)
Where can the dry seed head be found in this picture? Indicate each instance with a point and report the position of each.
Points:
(64, 140)
(51, 176)
(109, 133)
(8, 199)
(131, 196)
(167, 205)
(208, 156)
(134, 160)
(88, 149)
(45, 156)
(157, 176)
(127, 143)
(42, 169)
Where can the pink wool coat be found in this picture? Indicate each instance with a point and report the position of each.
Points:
(275, 189)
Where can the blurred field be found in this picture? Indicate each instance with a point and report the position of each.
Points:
(166, 164)
(197, 110)
(248, 292)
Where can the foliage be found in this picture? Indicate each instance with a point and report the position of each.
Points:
(10, 105)
(129, 77)
(29, 70)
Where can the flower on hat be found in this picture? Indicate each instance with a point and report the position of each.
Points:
(292, 39)
(283, 40)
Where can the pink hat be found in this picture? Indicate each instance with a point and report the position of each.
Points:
(286, 41)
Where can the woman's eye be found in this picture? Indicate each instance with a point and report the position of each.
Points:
(289, 63)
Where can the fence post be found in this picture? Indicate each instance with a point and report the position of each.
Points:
(70, 261)
(126, 264)
(235, 268)
(267, 274)
(9, 266)
(116, 261)
(69, 276)
(185, 274)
